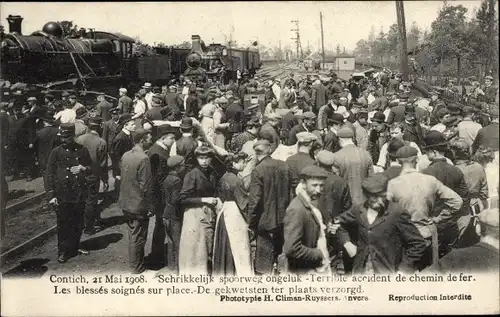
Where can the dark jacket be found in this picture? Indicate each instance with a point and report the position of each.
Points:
(109, 132)
(269, 194)
(192, 106)
(103, 108)
(46, 141)
(480, 257)
(292, 135)
(98, 153)
(197, 184)
(126, 104)
(268, 132)
(301, 232)
(185, 147)
(234, 115)
(155, 113)
(332, 142)
(158, 157)
(295, 164)
(397, 114)
(136, 188)
(413, 133)
(172, 186)
(232, 188)
(375, 142)
(384, 239)
(336, 197)
(288, 121)
(61, 183)
(121, 144)
(488, 137)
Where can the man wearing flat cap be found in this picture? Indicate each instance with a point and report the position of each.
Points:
(418, 193)
(159, 154)
(103, 107)
(480, 258)
(68, 171)
(269, 195)
(302, 158)
(307, 123)
(305, 243)
(125, 103)
(136, 196)
(97, 148)
(385, 232)
(355, 164)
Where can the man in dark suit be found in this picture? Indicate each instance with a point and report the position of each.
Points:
(479, 258)
(269, 195)
(158, 156)
(125, 103)
(336, 197)
(122, 143)
(331, 138)
(268, 132)
(302, 158)
(46, 140)
(385, 229)
(289, 120)
(103, 107)
(412, 130)
(307, 122)
(187, 144)
(171, 104)
(156, 110)
(234, 116)
(489, 135)
(397, 113)
(305, 243)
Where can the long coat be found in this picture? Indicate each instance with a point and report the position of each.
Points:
(121, 144)
(319, 95)
(269, 194)
(383, 239)
(354, 164)
(301, 232)
(103, 108)
(109, 131)
(336, 197)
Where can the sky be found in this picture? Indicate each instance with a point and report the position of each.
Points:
(344, 23)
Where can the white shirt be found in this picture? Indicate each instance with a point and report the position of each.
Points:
(66, 116)
(439, 127)
(149, 99)
(139, 108)
(382, 159)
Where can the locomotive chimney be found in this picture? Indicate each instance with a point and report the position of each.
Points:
(196, 44)
(15, 23)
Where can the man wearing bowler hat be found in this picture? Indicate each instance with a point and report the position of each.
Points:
(187, 144)
(331, 139)
(122, 143)
(378, 135)
(413, 131)
(451, 176)
(97, 148)
(68, 170)
(385, 232)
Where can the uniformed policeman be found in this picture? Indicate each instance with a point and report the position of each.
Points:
(68, 169)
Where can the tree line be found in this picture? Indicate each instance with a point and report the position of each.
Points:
(455, 46)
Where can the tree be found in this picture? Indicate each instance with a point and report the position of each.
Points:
(69, 29)
(414, 36)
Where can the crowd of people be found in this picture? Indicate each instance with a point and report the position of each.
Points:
(266, 176)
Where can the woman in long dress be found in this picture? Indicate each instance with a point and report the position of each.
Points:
(198, 200)
(231, 243)
(207, 121)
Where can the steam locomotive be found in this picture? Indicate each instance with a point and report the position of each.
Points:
(101, 60)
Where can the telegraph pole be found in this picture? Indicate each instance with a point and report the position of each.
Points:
(400, 11)
(491, 36)
(297, 39)
(322, 39)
